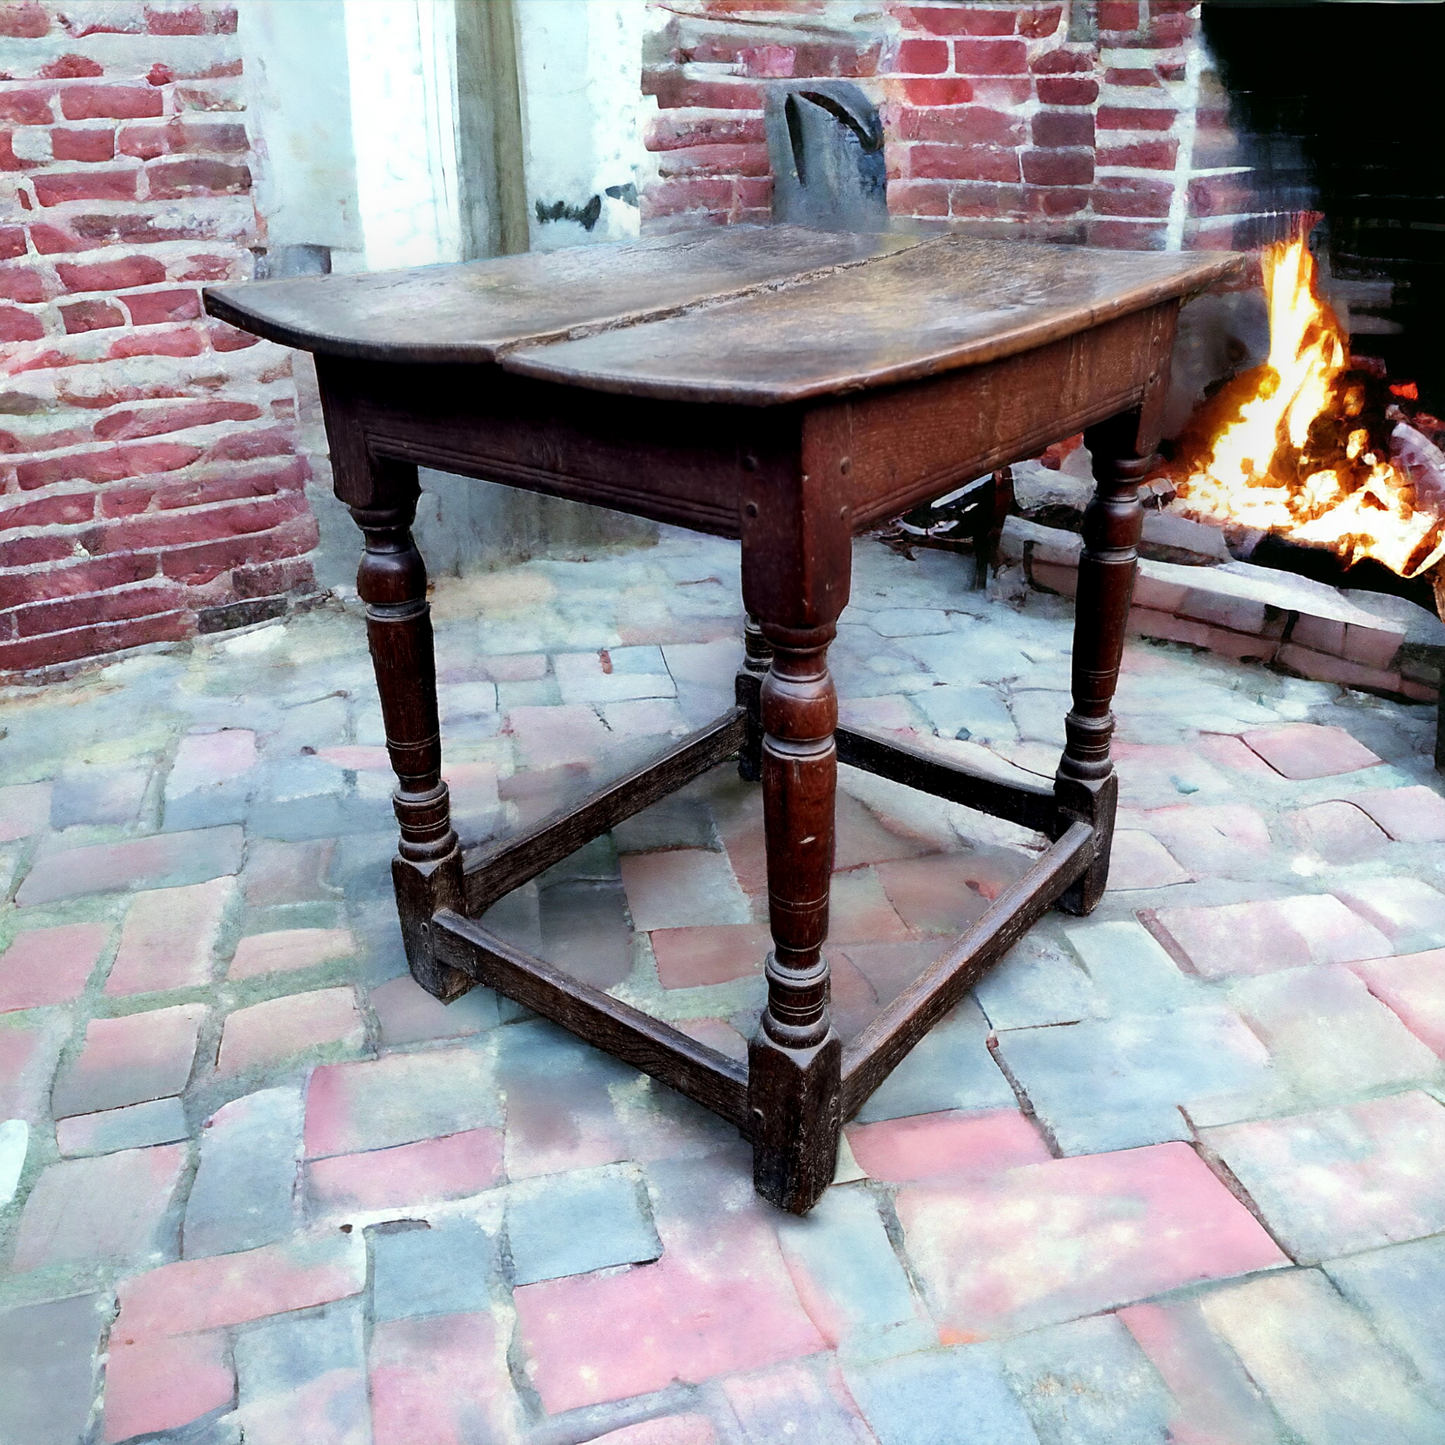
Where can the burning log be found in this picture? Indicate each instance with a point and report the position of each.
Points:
(1317, 447)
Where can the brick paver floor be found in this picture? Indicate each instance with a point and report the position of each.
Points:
(1174, 1172)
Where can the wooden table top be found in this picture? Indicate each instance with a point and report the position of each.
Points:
(745, 315)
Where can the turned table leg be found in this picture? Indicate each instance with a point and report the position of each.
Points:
(427, 870)
(795, 1059)
(1086, 786)
(747, 692)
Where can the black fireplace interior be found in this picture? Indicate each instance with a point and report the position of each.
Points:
(1341, 109)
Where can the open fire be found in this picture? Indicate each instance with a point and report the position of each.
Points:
(1317, 447)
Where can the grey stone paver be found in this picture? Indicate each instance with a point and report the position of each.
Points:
(1088, 1383)
(574, 1223)
(1325, 1371)
(238, 790)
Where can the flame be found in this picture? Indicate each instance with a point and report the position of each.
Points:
(1287, 447)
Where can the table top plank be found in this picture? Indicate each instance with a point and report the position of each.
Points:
(476, 311)
(951, 302)
(742, 315)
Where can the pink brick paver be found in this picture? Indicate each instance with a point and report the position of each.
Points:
(1339, 832)
(29, 1048)
(1051, 1242)
(933, 894)
(925, 1145)
(161, 861)
(106, 1210)
(229, 1289)
(432, 1169)
(1140, 860)
(440, 1381)
(1220, 838)
(721, 1305)
(351, 1108)
(1341, 1180)
(1414, 986)
(24, 809)
(290, 949)
(693, 957)
(551, 736)
(1409, 912)
(280, 1028)
(1409, 815)
(859, 911)
(1245, 938)
(204, 759)
(164, 1384)
(169, 937)
(131, 1059)
(1215, 1402)
(49, 965)
(1307, 750)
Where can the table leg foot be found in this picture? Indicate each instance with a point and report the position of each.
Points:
(427, 870)
(795, 1098)
(1085, 785)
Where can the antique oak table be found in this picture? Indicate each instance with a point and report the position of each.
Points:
(789, 388)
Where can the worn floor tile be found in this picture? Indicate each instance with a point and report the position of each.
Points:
(160, 1121)
(445, 1269)
(799, 1403)
(169, 938)
(165, 1384)
(1117, 1083)
(1320, 1365)
(269, 1033)
(167, 860)
(1307, 750)
(925, 1145)
(939, 1397)
(1401, 1290)
(1089, 1383)
(682, 888)
(131, 1059)
(1046, 1243)
(243, 1193)
(50, 965)
(451, 1167)
(1414, 987)
(106, 1210)
(48, 1367)
(574, 1223)
(1342, 1180)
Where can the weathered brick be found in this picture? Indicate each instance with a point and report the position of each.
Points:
(130, 1060)
(164, 860)
(21, 283)
(155, 308)
(105, 1210)
(18, 325)
(922, 57)
(112, 275)
(990, 57)
(1058, 167)
(171, 180)
(50, 965)
(109, 102)
(1132, 196)
(1054, 128)
(229, 1289)
(47, 1365)
(965, 162)
(1104, 1230)
(1343, 1180)
(597, 1337)
(272, 1032)
(962, 125)
(55, 188)
(45, 618)
(941, 90)
(82, 642)
(27, 105)
(1158, 155)
(162, 1385)
(82, 145)
(1067, 90)
(1133, 117)
(91, 316)
(170, 416)
(24, 809)
(441, 1379)
(25, 21)
(12, 242)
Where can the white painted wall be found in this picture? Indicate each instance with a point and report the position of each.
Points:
(401, 55)
(582, 112)
(297, 112)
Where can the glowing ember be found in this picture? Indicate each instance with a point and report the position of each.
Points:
(1302, 446)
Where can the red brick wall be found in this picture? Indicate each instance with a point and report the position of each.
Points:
(149, 482)
(995, 120)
